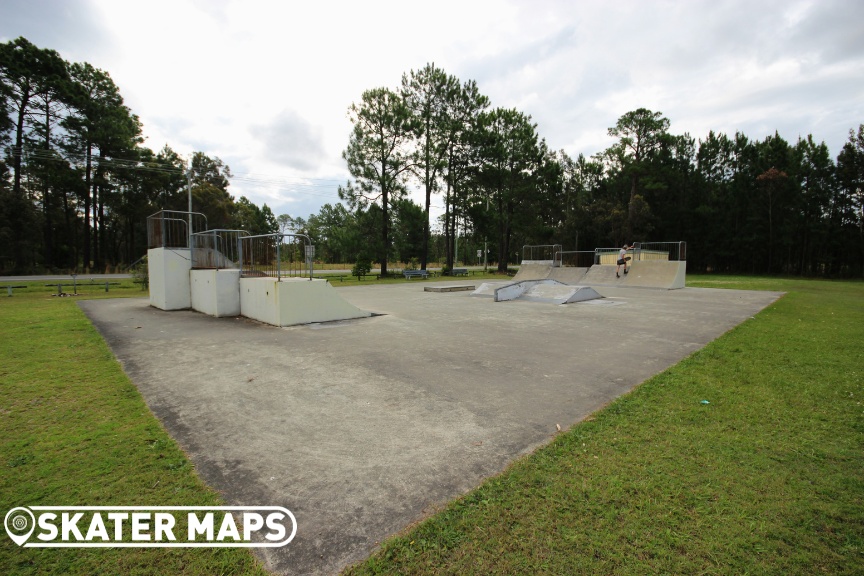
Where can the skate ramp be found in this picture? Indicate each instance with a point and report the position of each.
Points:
(568, 274)
(487, 289)
(533, 271)
(550, 291)
(293, 301)
(543, 271)
(643, 274)
(557, 293)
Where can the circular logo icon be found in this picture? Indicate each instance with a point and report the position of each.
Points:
(19, 523)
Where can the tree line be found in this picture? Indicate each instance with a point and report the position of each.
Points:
(76, 183)
(743, 205)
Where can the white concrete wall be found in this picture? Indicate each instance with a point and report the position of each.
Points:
(513, 291)
(168, 270)
(294, 301)
(216, 292)
(680, 275)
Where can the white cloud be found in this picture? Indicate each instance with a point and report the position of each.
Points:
(266, 85)
(291, 141)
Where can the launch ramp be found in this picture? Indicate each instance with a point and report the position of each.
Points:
(551, 291)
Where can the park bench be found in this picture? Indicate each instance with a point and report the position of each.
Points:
(459, 272)
(415, 274)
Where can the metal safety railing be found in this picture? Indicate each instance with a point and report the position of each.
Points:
(173, 228)
(605, 255)
(277, 255)
(217, 249)
(540, 252)
(671, 251)
(645, 251)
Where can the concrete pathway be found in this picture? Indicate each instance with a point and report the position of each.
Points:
(362, 427)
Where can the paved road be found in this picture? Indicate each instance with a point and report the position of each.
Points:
(104, 277)
(362, 427)
(64, 277)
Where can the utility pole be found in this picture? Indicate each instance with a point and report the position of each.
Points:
(485, 251)
(456, 243)
(189, 192)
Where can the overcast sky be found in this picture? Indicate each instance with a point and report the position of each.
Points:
(266, 85)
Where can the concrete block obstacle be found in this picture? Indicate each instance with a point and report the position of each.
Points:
(174, 285)
(460, 288)
(294, 301)
(170, 285)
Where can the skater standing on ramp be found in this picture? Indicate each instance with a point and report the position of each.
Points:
(622, 259)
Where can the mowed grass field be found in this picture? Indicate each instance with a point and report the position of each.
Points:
(767, 477)
(74, 431)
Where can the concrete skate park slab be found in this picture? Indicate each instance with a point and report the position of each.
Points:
(362, 427)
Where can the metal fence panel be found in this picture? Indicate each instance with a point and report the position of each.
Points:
(540, 252)
(217, 249)
(277, 255)
(170, 228)
(575, 258)
(671, 251)
(645, 251)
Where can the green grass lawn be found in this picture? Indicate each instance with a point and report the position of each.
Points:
(74, 431)
(767, 478)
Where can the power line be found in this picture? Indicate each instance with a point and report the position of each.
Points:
(116, 163)
(282, 182)
(295, 184)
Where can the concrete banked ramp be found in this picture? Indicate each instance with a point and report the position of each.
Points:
(564, 274)
(533, 271)
(568, 274)
(642, 274)
(542, 282)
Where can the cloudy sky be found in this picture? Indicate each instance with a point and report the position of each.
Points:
(265, 85)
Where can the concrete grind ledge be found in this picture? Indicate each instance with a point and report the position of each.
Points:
(464, 288)
(363, 427)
